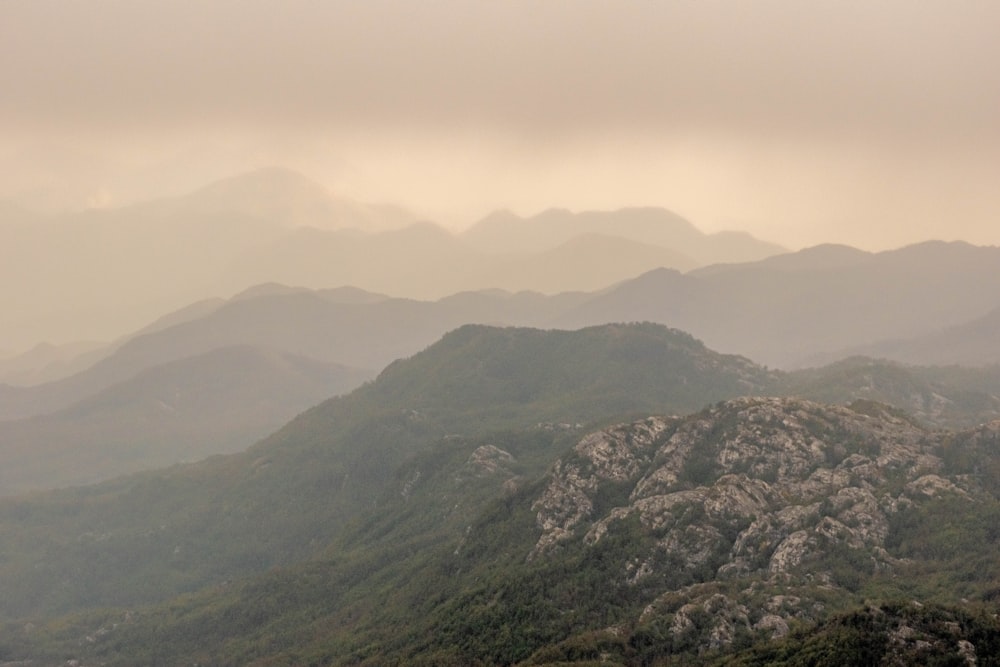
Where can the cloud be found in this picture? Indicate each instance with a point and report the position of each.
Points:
(759, 94)
(524, 66)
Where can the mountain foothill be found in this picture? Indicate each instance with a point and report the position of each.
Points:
(573, 438)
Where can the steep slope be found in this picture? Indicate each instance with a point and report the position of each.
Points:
(664, 540)
(213, 403)
(291, 494)
(224, 399)
(897, 633)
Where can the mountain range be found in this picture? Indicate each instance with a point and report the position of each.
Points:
(931, 303)
(782, 311)
(573, 438)
(211, 403)
(819, 304)
(95, 274)
(748, 297)
(532, 497)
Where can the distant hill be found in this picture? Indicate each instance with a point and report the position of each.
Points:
(99, 273)
(784, 312)
(45, 362)
(348, 326)
(589, 262)
(289, 495)
(971, 344)
(528, 392)
(756, 531)
(426, 262)
(418, 261)
(212, 403)
(294, 200)
(79, 414)
(816, 258)
(505, 232)
(950, 397)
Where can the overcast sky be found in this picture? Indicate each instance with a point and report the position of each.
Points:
(870, 123)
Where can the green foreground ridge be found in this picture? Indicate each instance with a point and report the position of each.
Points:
(620, 495)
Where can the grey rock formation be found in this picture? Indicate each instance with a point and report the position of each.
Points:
(754, 490)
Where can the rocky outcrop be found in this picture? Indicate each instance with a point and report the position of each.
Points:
(756, 490)
(488, 460)
(619, 454)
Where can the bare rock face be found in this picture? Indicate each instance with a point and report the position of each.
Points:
(488, 460)
(617, 454)
(755, 489)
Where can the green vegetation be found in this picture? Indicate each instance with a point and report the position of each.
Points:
(394, 526)
(895, 633)
(950, 396)
(140, 539)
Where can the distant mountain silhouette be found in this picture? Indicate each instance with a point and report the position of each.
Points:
(347, 326)
(971, 344)
(294, 200)
(99, 273)
(96, 274)
(781, 311)
(216, 402)
(496, 455)
(799, 309)
(505, 232)
(821, 257)
(426, 262)
(585, 262)
(46, 362)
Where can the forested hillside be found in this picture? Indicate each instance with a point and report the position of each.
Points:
(523, 496)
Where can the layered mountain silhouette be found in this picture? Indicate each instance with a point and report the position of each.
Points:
(96, 274)
(788, 310)
(804, 308)
(970, 344)
(211, 403)
(814, 305)
(46, 362)
(177, 391)
(518, 496)
(505, 232)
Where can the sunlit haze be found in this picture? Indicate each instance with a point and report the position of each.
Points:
(870, 124)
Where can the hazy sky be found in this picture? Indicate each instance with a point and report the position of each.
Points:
(870, 123)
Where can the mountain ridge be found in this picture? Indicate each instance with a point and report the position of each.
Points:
(660, 538)
(117, 266)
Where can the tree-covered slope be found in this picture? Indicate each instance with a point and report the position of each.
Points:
(756, 523)
(479, 503)
(137, 539)
(185, 410)
(942, 396)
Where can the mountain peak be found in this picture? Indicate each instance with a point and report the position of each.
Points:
(270, 192)
(503, 231)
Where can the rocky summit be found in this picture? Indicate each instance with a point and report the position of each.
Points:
(755, 512)
(757, 531)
